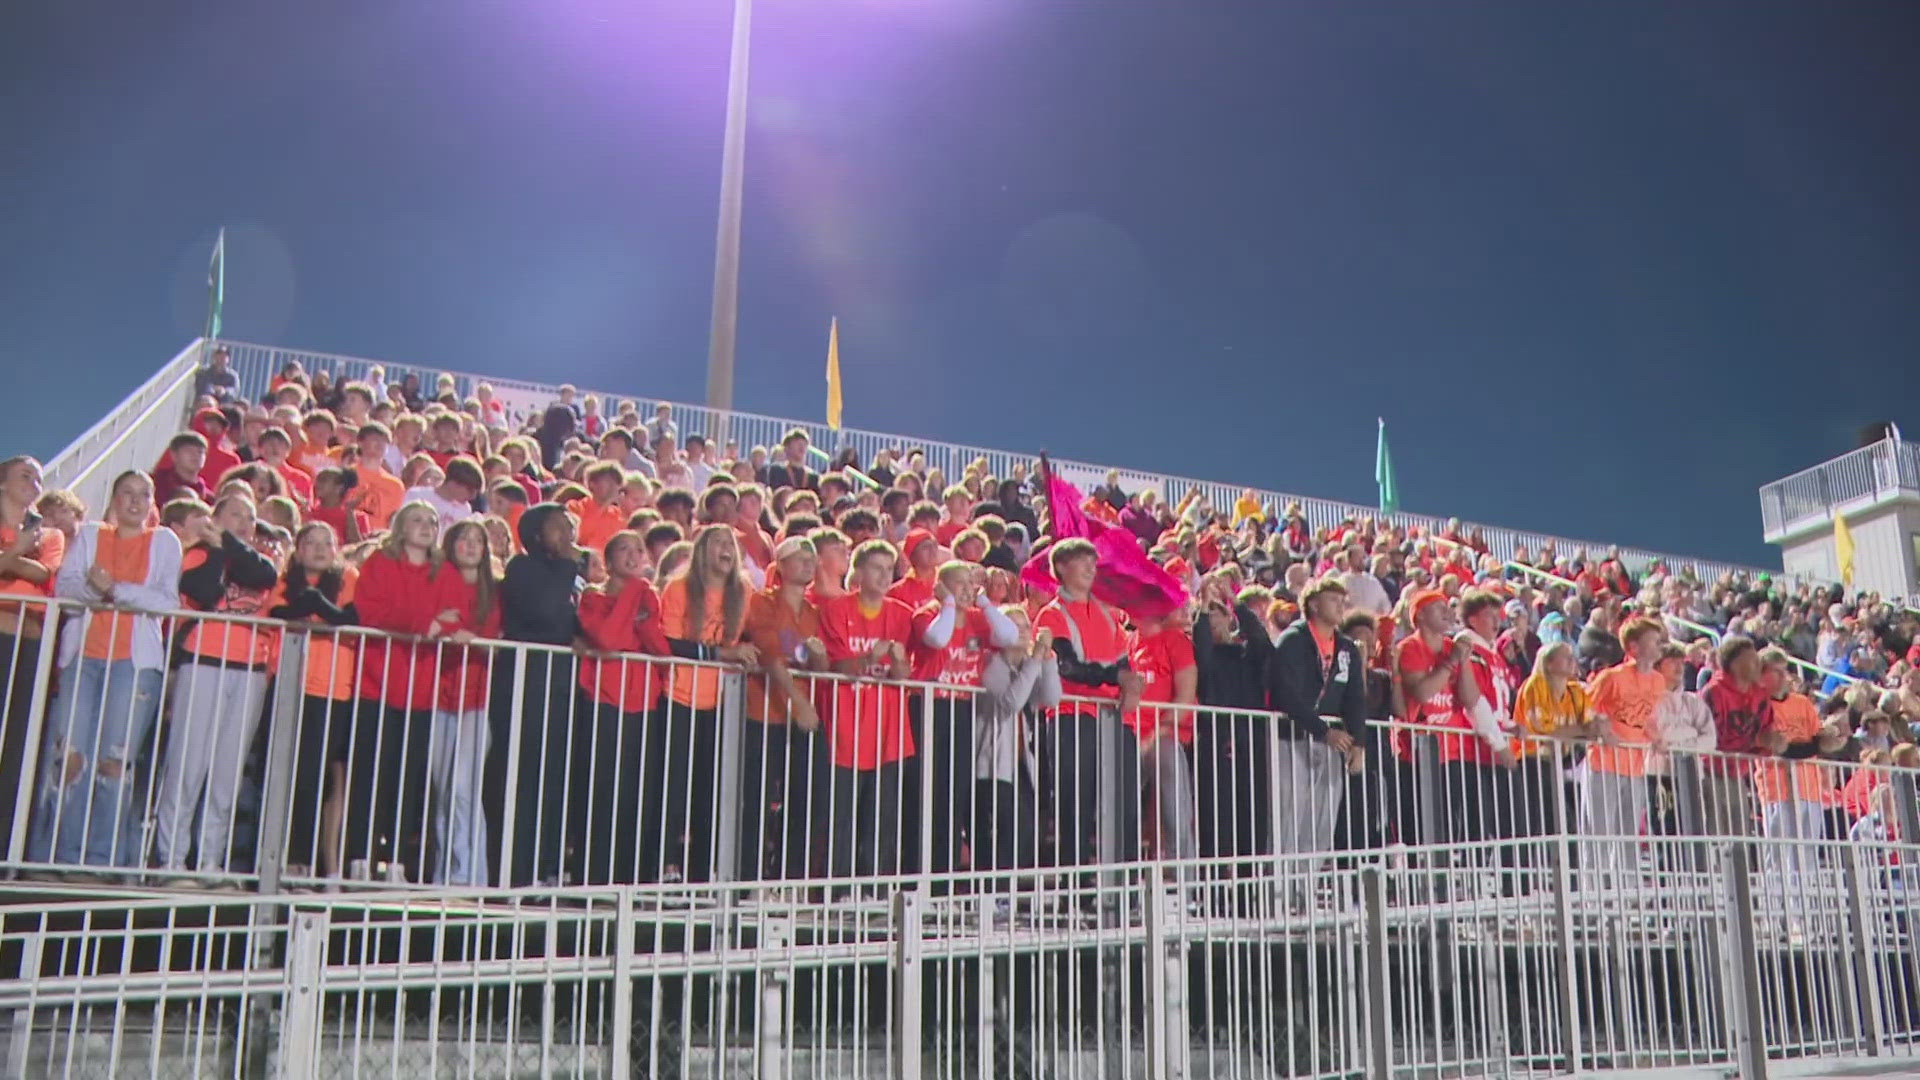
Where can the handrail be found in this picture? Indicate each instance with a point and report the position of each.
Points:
(1715, 635)
(1537, 572)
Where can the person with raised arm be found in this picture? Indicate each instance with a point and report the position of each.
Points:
(30, 557)
(316, 593)
(783, 761)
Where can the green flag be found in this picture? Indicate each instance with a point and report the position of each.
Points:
(1383, 474)
(216, 287)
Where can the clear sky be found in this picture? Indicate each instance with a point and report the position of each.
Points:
(1604, 267)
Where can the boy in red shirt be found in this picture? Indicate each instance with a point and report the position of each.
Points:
(866, 633)
(922, 553)
(1161, 654)
(1092, 819)
(953, 634)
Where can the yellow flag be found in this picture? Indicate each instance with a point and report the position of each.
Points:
(1843, 549)
(833, 374)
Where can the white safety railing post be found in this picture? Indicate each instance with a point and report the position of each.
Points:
(1376, 977)
(36, 722)
(619, 1042)
(305, 997)
(1165, 985)
(733, 734)
(1741, 962)
(1871, 1021)
(907, 989)
(770, 1048)
(283, 741)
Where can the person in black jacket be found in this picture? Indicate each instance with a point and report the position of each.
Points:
(539, 604)
(1316, 682)
(1231, 647)
(310, 597)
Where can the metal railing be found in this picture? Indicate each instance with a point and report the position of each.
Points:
(767, 901)
(1808, 497)
(132, 435)
(258, 364)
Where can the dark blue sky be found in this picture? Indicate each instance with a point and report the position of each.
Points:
(1604, 267)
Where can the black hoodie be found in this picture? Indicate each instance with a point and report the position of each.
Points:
(540, 595)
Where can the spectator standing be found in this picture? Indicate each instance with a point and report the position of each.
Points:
(1599, 648)
(662, 425)
(218, 693)
(1231, 647)
(1793, 792)
(1099, 686)
(1682, 724)
(791, 470)
(179, 472)
(1316, 682)
(111, 662)
(30, 557)
(466, 599)
(1742, 708)
(783, 761)
(866, 634)
(316, 594)
(625, 809)
(1613, 798)
(1017, 681)
(452, 499)
(705, 611)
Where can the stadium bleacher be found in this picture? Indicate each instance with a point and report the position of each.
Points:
(486, 712)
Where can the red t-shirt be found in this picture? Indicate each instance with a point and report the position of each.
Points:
(1414, 658)
(963, 658)
(866, 724)
(336, 516)
(913, 590)
(1157, 658)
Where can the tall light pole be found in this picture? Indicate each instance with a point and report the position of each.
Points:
(726, 248)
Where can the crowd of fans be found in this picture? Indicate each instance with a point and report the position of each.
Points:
(601, 535)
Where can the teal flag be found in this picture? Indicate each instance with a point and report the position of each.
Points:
(1383, 474)
(216, 287)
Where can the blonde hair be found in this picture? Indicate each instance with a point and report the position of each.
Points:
(395, 545)
(1547, 653)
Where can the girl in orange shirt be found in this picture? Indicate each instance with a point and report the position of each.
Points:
(316, 593)
(111, 663)
(704, 609)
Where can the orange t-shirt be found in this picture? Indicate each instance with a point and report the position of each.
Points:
(1157, 659)
(1627, 697)
(110, 634)
(229, 642)
(690, 684)
(597, 523)
(50, 552)
(383, 496)
(777, 630)
(1796, 717)
(331, 654)
(1100, 637)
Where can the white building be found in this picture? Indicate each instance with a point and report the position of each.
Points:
(1877, 488)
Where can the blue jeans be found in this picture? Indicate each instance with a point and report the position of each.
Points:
(102, 714)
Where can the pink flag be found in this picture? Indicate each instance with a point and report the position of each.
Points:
(1128, 579)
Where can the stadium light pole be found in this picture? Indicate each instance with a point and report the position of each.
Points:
(726, 253)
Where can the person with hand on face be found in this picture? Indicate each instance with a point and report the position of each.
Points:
(219, 692)
(1160, 652)
(1316, 681)
(952, 635)
(915, 588)
(111, 659)
(1792, 789)
(621, 620)
(1099, 686)
(704, 607)
(779, 775)
(1018, 680)
(1434, 677)
(315, 594)
(869, 737)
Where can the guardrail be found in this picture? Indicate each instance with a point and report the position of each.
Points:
(258, 364)
(1808, 497)
(132, 435)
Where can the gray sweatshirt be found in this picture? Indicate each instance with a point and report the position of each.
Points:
(1000, 749)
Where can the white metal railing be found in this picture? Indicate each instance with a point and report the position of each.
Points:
(1809, 497)
(132, 435)
(258, 364)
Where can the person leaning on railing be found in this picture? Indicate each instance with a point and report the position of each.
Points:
(317, 592)
(1316, 682)
(467, 598)
(30, 557)
(870, 742)
(111, 658)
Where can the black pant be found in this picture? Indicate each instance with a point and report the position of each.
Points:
(19, 659)
(1469, 801)
(626, 759)
(387, 785)
(553, 723)
(677, 818)
(326, 727)
(1233, 784)
(1082, 825)
(782, 769)
(945, 761)
(1004, 825)
(863, 818)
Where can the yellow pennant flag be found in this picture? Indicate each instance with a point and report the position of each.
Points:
(833, 375)
(1843, 549)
